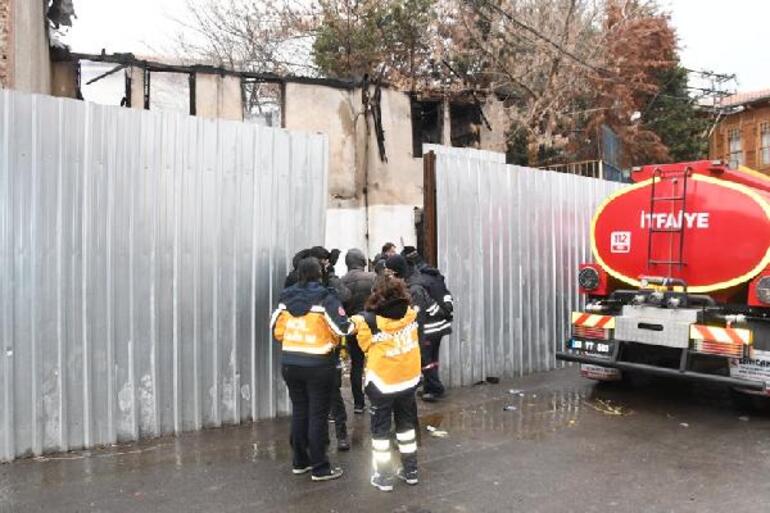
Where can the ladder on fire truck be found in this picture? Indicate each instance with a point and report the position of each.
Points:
(675, 177)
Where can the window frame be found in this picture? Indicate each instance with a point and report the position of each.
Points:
(417, 108)
(735, 158)
(764, 145)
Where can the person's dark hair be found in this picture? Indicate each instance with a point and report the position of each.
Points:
(387, 289)
(387, 247)
(299, 257)
(319, 252)
(309, 270)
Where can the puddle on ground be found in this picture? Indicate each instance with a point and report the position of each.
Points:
(525, 415)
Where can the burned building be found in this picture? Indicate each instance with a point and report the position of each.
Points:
(376, 133)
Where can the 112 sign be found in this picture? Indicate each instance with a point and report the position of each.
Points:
(620, 242)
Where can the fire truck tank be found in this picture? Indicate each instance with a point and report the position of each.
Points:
(700, 222)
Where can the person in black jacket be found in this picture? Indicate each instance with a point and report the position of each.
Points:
(293, 277)
(309, 323)
(360, 283)
(427, 317)
(441, 324)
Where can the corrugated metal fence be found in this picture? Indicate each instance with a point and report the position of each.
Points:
(139, 257)
(510, 240)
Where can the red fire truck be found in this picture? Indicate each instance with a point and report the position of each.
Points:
(680, 283)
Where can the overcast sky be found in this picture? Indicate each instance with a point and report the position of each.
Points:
(716, 35)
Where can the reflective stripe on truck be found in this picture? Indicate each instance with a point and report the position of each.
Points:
(588, 320)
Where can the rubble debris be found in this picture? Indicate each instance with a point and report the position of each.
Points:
(607, 408)
(510, 407)
(744, 418)
(436, 432)
(684, 425)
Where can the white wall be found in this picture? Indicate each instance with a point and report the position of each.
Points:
(346, 229)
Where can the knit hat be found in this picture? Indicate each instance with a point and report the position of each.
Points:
(398, 265)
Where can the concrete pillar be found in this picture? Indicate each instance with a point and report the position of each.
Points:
(137, 87)
(218, 96)
(446, 126)
(28, 59)
(64, 77)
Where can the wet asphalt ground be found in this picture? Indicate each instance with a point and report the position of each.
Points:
(567, 445)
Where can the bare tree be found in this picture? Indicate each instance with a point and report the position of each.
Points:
(270, 36)
(566, 67)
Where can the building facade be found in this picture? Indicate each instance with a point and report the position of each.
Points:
(742, 136)
(25, 63)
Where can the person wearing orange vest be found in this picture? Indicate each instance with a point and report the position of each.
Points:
(388, 334)
(309, 324)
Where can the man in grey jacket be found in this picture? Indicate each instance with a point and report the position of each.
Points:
(360, 283)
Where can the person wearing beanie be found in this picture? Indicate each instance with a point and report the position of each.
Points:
(429, 316)
(388, 333)
(360, 283)
(435, 284)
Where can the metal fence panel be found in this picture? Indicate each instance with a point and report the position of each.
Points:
(140, 256)
(510, 240)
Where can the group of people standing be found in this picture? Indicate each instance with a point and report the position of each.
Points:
(391, 322)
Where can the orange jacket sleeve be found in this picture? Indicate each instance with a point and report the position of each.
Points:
(363, 333)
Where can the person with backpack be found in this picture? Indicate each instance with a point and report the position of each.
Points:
(441, 323)
(388, 333)
(309, 323)
(431, 322)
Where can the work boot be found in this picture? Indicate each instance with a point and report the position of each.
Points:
(382, 482)
(408, 470)
(429, 397)
(332, 473)
(359, 409)
(343, 444)
(298, 471)
(408, 476)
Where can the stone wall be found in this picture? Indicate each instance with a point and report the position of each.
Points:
(5, 54)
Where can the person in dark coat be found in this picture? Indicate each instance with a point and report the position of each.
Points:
(433, 324)
(293, 277)
(360, 283)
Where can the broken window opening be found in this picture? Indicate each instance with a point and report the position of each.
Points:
(262, 102)
(168, 91)
(427, 124)
(102, 83)
(465, 125)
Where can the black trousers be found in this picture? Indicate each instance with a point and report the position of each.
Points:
(338, 412)
(356, 371)
(429, 354)
(401, 408)
(310, 390)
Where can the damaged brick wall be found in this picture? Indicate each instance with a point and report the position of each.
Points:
(5, 41)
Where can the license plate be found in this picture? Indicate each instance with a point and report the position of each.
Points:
(598, 347)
